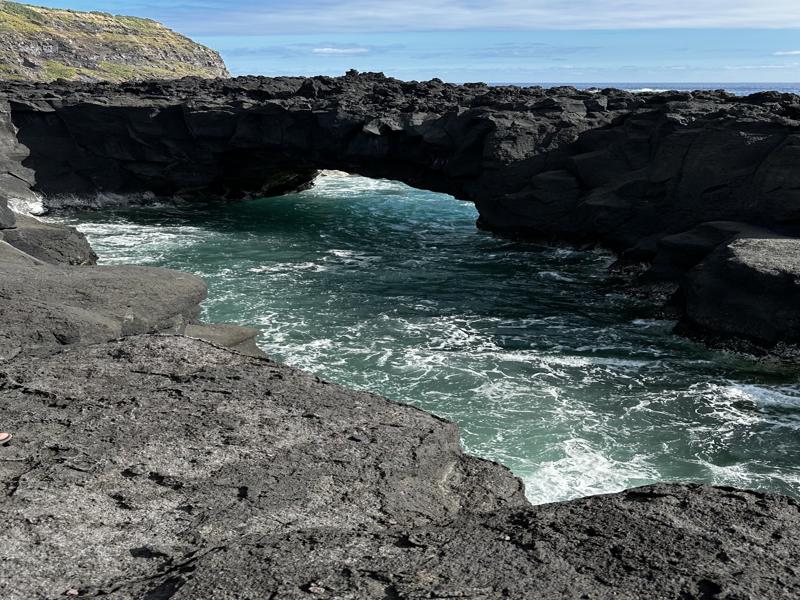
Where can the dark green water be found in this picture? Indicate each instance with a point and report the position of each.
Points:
(547, 369)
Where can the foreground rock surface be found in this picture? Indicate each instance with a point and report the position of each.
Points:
(165, 467)
(652, 542)
(629, 171)
(150, 451)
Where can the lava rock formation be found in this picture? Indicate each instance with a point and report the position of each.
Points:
(626, 171)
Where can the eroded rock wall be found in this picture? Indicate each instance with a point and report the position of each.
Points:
(605, 166)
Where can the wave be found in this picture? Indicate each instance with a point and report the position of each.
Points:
(380, 287)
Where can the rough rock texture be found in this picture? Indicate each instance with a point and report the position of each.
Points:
(45, 307)
(55, 244)
(158, 449)
(235, 337)
(164, 467)
(628, 171)
(749, 288)
(607, 166)
(44, 44)
(653, 542)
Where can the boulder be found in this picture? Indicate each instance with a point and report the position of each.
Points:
(749, 289)
(51, 243)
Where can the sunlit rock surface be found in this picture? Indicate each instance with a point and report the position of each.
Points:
(164, 467)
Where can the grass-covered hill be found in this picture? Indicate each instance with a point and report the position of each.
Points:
(44, 44)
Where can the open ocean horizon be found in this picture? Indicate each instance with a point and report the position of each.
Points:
(740, 89)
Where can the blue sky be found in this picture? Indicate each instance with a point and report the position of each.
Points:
(551, 41)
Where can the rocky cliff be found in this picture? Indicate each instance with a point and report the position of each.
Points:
(150, 465)
(43, 44)
(665, 179)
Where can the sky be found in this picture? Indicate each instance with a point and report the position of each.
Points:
(511, 41)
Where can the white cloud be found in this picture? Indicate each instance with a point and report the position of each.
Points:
(761, 67)
(282, 16)
(787, 53)
(331, 51)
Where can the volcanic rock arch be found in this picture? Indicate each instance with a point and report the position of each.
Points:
(607, 166)
(662, 178)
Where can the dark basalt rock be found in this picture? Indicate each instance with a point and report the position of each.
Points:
(46, 307)
(749, 289)
(590, 167)
(679, 253)
(55, 244)
(653, 542)
(610, 166)
(133, 457)
(164, 467)
(15, 179)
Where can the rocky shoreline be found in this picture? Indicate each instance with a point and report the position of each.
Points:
(158, 457)
(697, 192)
(148, 464)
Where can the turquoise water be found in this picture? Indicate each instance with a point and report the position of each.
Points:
(547, 368)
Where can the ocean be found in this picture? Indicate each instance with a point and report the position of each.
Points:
(739, 89)
(545, 366)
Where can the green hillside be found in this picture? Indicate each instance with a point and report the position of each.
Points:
(44, 44)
